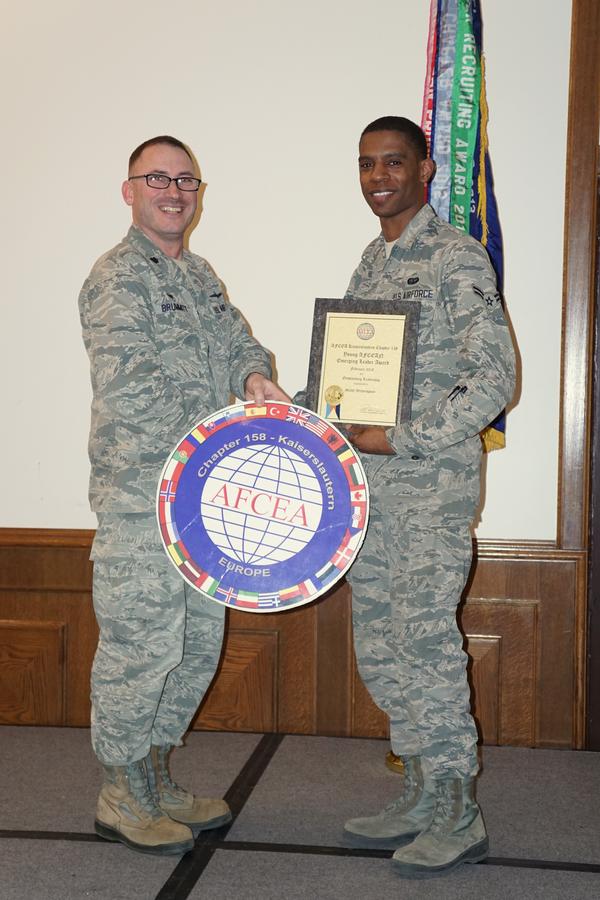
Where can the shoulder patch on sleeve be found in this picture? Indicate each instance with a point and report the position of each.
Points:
(491, 300)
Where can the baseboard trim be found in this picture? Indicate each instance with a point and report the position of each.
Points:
(46, 537)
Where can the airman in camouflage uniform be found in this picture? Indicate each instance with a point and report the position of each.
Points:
(166, 349)
(424, 480)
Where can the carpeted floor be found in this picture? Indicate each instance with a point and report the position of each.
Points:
(290, 796)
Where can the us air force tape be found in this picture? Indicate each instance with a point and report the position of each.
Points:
(263, 508)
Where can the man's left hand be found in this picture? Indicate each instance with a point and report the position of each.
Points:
(369, 439)
(259, 389)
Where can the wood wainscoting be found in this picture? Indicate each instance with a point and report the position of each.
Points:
(294, 671)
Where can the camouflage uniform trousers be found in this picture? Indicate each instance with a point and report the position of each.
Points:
(159, 646)
(406, 585)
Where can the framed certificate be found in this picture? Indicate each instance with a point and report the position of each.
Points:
(362, 360)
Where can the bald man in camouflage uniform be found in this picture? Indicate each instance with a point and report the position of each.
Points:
(424, 479)
(166, 350)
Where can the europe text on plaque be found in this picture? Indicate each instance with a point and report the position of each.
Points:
(262, 508)
(362, 360)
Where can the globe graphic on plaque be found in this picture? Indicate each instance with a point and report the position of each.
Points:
(262, 507)
(261, 504)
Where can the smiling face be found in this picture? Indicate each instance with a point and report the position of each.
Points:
(163, 215)
(392, 178)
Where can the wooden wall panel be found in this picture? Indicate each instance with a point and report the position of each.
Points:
(32, 672)
(335, 664)
(367, 719)
(485, 676)
(46, 577)
(295, 671)
(73, 612)
(296, 679)
(503, 677)
(244, 694)
(554, 581)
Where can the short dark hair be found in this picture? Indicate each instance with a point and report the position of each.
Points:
(161, 139)
(409, 129)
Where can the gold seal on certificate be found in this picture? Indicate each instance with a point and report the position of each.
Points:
(362, 360)
(334, 394)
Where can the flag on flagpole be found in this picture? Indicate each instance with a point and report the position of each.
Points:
(455, 117)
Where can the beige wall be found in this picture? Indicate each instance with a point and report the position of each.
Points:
(272, 97)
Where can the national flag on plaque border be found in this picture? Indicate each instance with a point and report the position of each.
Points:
(262, 508)
(455, 118)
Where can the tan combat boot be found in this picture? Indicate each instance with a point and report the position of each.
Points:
(403, 818)
(456, 834)
(127, 812)
(198, 812)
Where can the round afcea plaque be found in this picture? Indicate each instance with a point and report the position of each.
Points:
(263, 508)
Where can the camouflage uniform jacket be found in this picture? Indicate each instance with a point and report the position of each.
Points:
(166, 349)
(465, 361)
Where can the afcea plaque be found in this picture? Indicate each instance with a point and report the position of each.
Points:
(262, 507)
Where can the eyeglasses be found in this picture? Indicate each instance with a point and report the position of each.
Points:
(161, 182)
